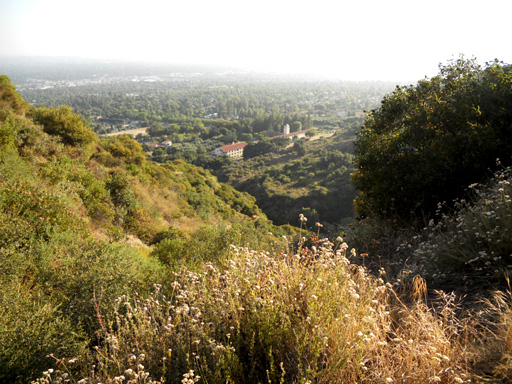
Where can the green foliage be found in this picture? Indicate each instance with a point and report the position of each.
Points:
(258, 103)
(9, 129)
(32, 329)
(22, 206)
(75, 283)
(71, 128)
(312, 132)
(209, 243)
(33, 142)
(11, 100)
(72, 233)
(120, 191)
(125, 148)
(73, 175)
(53, 293)
(300, 147)
(53, 277)
(207, 196)
(296, 126)
(263, 147)
(427, 142)
(128, 211)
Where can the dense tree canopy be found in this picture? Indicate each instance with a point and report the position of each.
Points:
(428, 142)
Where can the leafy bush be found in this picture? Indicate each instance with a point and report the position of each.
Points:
(122, 195)
(261, 148)
(23, 207)
(32, 329)
(53, 295)
(10, 99)
(427, 142)
(8, 131)
(71, 128)
(125, 148)
(209, 243)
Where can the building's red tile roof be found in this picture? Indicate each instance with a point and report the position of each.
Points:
(233, 146)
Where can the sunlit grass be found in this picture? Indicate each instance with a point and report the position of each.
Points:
(307, 316)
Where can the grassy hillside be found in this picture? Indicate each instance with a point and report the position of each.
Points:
(309, 177)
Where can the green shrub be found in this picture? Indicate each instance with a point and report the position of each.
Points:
(32, 328)
(53, 294)
(84, 276)
(427, 142)
(71, 128)
(9, 128)
(122, 196)
(125, 148)
(10, 99)
(170, 251)
(141, 223)
(210, 243)
(27, 212)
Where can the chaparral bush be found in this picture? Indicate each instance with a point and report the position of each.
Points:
(428, 142)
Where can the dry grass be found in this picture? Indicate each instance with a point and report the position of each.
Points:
(301, 317)
(493, 360)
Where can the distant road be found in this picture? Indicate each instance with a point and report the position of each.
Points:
(133, 132)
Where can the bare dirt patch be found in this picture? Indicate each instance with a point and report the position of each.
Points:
(133, 132)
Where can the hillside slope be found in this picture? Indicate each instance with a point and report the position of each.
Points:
(84, 220)
(308, 177)
(113, 184)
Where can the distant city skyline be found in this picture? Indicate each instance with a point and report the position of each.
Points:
(396, 40)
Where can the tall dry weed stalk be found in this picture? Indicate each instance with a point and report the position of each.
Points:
(495, 343)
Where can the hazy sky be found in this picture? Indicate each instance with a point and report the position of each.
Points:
(355, 39)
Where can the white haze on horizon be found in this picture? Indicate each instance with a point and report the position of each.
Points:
(396, 40)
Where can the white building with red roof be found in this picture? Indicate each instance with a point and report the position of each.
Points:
(234, 150)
